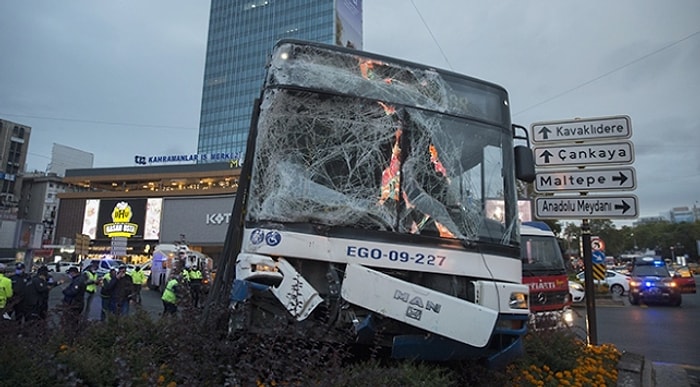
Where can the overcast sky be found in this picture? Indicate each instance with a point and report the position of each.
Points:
(120, 78)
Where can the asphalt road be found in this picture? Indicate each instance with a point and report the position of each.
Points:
(150, 300)
(660, 333)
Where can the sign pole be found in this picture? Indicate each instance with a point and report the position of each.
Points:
(588, 285)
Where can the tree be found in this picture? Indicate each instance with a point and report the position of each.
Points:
(572, 235)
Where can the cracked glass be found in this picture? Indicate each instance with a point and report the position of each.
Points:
(363, 142)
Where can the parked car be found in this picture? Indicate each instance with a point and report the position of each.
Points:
(104, 265)
(62, 267)
(577, 292)
(694, 267)
(9, 263)
(683, 277)
(618, 283)
(652, 282)
(146, 268)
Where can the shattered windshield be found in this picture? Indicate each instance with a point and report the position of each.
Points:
(350, 159)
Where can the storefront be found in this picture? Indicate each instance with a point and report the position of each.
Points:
(147, 206)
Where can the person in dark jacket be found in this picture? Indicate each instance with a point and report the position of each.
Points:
(106, 294)
(20, 282)
(74, 295)
(120, 288)
(43, 274)
(35, 293)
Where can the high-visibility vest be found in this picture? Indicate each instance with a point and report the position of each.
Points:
(91, 277)
(138, 277)
(5, 290)
(169, 293)
(195, 274)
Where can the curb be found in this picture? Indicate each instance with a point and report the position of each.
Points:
(635, 371)
(666, 374)
(630, 370)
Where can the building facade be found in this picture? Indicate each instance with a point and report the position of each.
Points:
(241, 37)
(148, 205)
(64, 157)
(14, 144)
(39, 201)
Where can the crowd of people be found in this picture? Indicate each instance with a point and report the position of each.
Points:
(25, 297)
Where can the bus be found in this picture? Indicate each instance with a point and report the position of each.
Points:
(361, 208)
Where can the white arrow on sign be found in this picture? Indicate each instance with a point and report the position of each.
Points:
(609, 179)
(584, 154)
(586, 207)
(582, 129)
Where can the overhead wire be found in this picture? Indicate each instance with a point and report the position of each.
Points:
(579, 86)
(432, 35)
(608, 73)
(442, 52)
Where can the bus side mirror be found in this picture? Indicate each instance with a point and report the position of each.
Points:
(524, 164)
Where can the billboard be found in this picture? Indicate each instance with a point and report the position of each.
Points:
(122, 218)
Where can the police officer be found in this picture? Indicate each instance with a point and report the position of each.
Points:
(35, 293)
(20, 281)
(138, 278)
(91, 281)
(5, 292)
(43, 275)
(74, 296)
(195, 277)
(169, 297)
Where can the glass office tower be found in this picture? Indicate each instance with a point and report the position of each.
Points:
(241, 36)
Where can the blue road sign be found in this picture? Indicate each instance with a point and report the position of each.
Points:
(598, 257)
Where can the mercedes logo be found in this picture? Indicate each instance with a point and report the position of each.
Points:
(542, 298)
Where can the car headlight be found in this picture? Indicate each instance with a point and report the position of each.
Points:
(576, 286)
(518, 301)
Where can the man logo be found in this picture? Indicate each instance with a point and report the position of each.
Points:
(416, 304)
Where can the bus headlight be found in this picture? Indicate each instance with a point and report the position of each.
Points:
(518, 301)
(568, 317)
